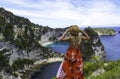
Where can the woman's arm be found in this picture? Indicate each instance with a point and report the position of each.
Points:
(63, 38)
(85, 35)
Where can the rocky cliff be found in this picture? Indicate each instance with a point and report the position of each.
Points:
(92, 48)
(19, 41)
(20, 44)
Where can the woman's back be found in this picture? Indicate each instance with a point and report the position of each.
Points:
(75, 41)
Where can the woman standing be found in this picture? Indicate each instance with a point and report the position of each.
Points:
(72, 65)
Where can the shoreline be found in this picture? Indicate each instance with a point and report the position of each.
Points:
(49, 60)
(38, 65)
(46, 43)
(101, 34)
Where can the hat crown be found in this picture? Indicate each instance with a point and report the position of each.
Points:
(74, 30)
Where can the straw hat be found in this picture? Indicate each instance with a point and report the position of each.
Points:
(74, 30)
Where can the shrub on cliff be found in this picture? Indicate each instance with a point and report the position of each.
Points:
(20, 63)
(4, 63)
(8, 32)
(112, 70)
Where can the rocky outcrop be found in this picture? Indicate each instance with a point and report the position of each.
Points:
(98, 72)
(10, 54)
(92, 47)
(46, 34)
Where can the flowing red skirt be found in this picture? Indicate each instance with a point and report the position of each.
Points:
(72, 65)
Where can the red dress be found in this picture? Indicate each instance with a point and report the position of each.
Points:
(72, 65)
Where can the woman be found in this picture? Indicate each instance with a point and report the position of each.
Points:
(72, 65)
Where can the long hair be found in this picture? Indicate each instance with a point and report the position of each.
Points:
(75, 38)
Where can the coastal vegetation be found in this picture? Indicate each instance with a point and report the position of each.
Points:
(102, 70)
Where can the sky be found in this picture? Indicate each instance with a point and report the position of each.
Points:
(63, 13)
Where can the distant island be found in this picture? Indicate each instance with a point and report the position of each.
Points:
(104, 31)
